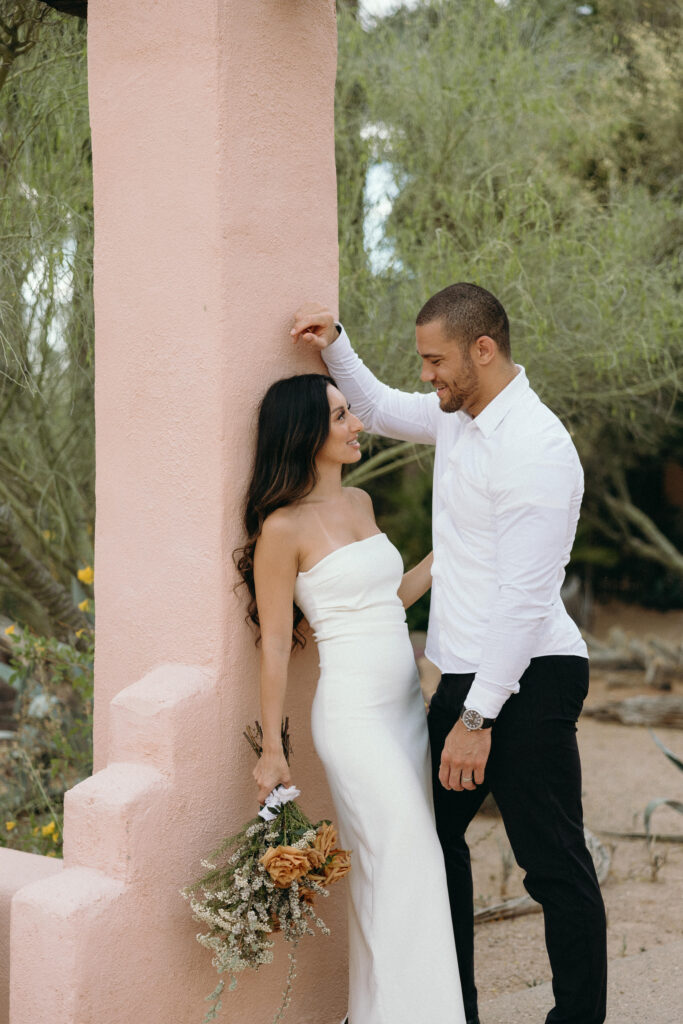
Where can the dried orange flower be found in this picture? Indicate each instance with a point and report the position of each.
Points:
(315, 858)
(285, 864)
(339, 866)
(325, 840)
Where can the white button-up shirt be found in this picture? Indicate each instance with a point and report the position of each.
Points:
(507, 492)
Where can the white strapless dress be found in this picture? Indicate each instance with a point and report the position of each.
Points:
(370, 732)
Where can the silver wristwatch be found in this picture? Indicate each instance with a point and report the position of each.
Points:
(472, 720)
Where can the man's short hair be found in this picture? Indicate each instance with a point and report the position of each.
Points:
(467, 312)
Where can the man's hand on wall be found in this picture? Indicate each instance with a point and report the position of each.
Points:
(315, 325)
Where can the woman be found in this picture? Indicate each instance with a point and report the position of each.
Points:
(314, 549)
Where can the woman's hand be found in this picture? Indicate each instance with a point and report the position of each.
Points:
(271, 771)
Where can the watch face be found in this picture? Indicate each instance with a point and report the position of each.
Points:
(472, 719)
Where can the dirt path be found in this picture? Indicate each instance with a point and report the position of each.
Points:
(622, 771)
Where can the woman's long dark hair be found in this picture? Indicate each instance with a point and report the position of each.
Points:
(293, 424)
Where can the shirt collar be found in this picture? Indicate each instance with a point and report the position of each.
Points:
(492, 415)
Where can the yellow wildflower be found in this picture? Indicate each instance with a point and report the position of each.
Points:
(86, 575)
(47, 830)
(9, 825)
(10, 629)
(36, 830)
(55, 837)
(83, 605)
(79, 633)
(48, 535)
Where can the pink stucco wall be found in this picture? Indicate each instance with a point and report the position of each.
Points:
(17, 869)
(215, 216)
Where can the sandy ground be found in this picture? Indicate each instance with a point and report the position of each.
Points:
(622, 771)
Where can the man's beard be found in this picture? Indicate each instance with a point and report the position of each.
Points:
(455, 401)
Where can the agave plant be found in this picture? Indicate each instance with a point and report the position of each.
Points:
(662, 801)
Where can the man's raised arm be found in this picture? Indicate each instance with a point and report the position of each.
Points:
(383, 410)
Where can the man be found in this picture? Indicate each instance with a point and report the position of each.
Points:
(507, 491)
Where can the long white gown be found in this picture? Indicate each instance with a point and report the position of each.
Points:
(370, 732)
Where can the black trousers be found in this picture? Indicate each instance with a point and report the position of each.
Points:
(534, 773)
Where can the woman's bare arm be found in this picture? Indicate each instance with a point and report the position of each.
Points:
(275, 569)
(417, 581)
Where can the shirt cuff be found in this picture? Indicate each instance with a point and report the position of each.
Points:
(335, 353)
(487, 698)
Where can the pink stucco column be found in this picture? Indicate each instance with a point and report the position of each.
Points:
(215, 216)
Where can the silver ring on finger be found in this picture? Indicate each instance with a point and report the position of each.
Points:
(466, 778)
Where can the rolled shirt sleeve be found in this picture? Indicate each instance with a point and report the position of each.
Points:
(383, 410)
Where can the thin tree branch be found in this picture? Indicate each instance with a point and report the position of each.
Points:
(397, 455)
(29, 524)
(43, 63)
(656, 546)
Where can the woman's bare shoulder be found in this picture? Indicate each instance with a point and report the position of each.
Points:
(359, 497)
(281, 526)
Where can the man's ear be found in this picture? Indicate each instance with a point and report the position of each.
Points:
(484, 350)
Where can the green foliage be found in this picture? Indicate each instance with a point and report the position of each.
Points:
(537, 153)
(52, 747)
(46, 316)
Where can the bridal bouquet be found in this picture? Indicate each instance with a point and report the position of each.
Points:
(265, 879)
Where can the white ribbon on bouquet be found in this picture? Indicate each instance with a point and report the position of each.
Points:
(276, 800)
